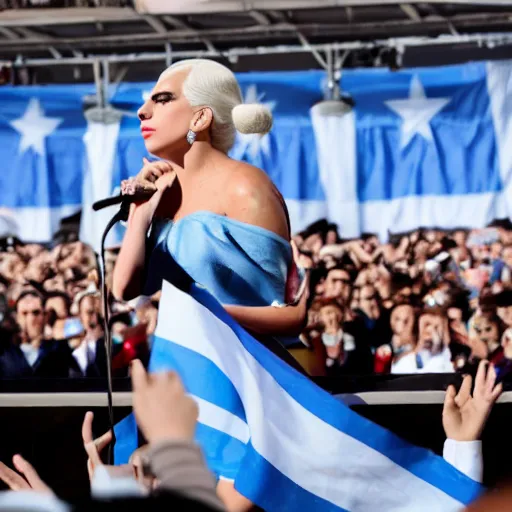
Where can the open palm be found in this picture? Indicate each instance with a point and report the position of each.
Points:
(26, 479)
(464, 415)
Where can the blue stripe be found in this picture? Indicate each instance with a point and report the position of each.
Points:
(198, 374)
(126, 439)
(268, 488)
(222, 452)
(419, 461)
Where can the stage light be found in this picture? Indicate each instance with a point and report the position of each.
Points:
(332, 108)
(336, 102)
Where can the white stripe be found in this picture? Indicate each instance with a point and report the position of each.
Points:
(310, 452)
(34, 224)
(101, 146)
(448, 212)
(335, 137)
(304, 212)
(499, 86)
(214, 416)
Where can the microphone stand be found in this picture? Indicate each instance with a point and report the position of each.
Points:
(121, 215)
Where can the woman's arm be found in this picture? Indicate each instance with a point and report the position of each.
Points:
(129, 269)
(288, 320)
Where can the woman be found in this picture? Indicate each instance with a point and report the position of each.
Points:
(403, 341)
(220, 222)
(230, 220)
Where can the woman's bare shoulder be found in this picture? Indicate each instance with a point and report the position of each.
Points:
(254, 199)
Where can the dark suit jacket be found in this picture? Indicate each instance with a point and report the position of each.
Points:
(98, 368)
(53, 361)
(95, 369)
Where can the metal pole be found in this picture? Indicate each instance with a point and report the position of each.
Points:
(96, 68)
(106, 81)
(330, 75)
(168, 54)
(490, 39)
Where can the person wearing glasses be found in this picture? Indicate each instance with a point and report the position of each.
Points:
(32, 355)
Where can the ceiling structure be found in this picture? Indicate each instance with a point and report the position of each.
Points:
(257, 34)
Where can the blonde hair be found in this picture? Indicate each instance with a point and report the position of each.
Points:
(213, 85)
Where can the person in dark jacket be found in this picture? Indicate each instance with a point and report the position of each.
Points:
(31, 355)
(342, 343)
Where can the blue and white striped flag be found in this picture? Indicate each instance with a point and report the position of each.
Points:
(286, 443)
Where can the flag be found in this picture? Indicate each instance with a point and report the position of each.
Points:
(423, 147)
(287, 444)
(42, 155)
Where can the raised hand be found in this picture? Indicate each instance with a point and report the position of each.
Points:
(30, 481)
(93, 447)
(464, 416)
(155, 179)
(162, 409)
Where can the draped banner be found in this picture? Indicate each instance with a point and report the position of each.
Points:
(423, 147)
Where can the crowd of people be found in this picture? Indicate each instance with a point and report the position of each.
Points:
(50, 314)
(428, 301)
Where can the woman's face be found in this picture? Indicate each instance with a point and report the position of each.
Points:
(486, 330)
(166, 116)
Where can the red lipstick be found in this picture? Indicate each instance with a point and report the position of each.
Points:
(147, 131)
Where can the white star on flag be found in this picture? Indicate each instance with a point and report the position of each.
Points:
(416, 112)
(254, 143)
(34, 127)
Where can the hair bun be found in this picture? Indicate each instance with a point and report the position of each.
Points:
(252, 118)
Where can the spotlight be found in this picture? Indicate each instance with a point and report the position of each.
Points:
(336, 103)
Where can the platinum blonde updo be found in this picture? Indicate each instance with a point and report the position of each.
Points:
(210, 84)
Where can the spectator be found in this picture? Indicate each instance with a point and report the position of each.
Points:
(90, 356)
(57, 310)
(485, 336)
(432, 353)
(339, 343)
(403, 340)
(376, 320)
(33, 354)
(337, 284)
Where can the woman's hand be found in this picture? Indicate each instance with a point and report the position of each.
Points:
(464, 416)
(154, 178)
(147, 177)
(16, 482)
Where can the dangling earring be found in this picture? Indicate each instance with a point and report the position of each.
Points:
(191, 137)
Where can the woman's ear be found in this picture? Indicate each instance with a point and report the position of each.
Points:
(202, 120)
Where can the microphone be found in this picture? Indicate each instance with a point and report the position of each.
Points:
(123, 199)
